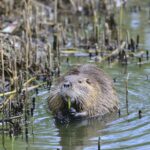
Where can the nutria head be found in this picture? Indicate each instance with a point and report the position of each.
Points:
(84, 89)
(81, 91)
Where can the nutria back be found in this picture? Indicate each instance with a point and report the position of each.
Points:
(85, 91)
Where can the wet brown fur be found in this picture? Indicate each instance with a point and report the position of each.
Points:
(92, 88)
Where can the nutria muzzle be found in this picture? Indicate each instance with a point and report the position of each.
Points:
(65, 92)
(73, 104)
(72, 109)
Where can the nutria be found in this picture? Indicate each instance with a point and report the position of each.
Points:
(85, 91)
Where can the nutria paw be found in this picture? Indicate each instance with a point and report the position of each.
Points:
(77, 115)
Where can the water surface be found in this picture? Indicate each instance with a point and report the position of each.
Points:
(116, 132)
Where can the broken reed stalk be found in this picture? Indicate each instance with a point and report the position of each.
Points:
(15, 79)
(3, 138)
(97, 34)
(140, 114)
(58, 53)
(55, 11)
(3, 84)
(120, 23)
(26, 113)
(9, 116)
(27, 33)
(31, 23)
(56, 50)
(36, 23)
(126, 85)
(31, 50)
(75, 38)
(99, 143)
(2, 65)
(95, 20)
(26, 55)
(63, 35)
(147, 55)
(49, 56)
(127, 36)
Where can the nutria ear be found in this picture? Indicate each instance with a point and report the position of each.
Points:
(88, 81)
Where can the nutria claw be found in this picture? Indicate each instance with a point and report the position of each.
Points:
(72, 111)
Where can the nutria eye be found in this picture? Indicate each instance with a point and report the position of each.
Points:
(80, 81)
(88, 81)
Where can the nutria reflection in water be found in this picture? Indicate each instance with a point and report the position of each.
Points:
(84, 92)
(83, 133)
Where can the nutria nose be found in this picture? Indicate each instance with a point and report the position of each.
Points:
(67, 84)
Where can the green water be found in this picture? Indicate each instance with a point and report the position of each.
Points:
(124, 132)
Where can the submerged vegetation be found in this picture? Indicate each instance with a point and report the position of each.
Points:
(38, 36)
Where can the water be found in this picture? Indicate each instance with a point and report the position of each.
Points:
(117, 133)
